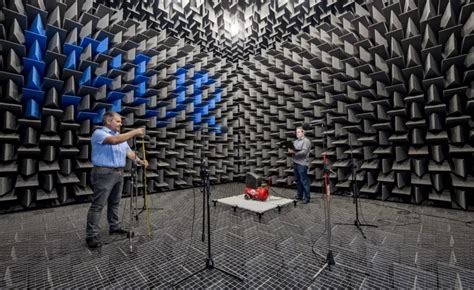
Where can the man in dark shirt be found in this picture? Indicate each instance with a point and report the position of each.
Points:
(301, 164)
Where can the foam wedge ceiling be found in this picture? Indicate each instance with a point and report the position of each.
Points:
(209, 24)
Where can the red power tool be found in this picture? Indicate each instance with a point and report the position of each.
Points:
(256, 188)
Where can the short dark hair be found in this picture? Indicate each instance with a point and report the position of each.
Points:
(108, 117)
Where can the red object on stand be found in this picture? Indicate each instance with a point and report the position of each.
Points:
(260, 193)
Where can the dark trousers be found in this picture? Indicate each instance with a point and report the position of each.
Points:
(302, 181)
(107, 184)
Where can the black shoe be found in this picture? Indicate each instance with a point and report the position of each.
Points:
(93, 242)
(297, 197)
(306, 201)
(119, 231)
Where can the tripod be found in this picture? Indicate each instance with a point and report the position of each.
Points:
(355, 189)
(133, 189)
(327, 191)
(205, 188)
(145, 207)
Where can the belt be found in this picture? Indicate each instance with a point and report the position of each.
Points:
(108, 168)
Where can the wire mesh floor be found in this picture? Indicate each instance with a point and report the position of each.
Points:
(412, 247)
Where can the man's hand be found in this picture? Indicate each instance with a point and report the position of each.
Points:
(142, 162)
(139, 132)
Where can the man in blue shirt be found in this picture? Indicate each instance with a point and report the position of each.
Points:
(109, 152)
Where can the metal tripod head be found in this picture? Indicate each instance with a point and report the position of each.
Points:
(134, 169)
(204, 170)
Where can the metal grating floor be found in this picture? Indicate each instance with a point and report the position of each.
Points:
(413, 246)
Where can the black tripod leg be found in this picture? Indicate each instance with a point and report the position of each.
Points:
(359, 226)
(138, 214)
(230, 274)
(189, 276)
(366, 225)
(360, 229)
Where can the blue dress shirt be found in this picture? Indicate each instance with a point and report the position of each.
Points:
(108, 155)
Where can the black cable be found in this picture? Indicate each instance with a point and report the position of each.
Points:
(271, 189)
(354, 179)
(314, 243)
(420, 214)
(284, 266)
(316, 240)
(396, 224)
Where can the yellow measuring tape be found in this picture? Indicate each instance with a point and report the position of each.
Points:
(147, 210)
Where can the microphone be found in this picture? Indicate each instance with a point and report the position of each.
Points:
(316, 122)
(307, 126)
(224, 129)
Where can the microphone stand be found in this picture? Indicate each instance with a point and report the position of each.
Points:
(133, 189)
(145, 200)
(355, 189)
(204, 174)
(205, 188)
(330, 261)
(240, 146)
